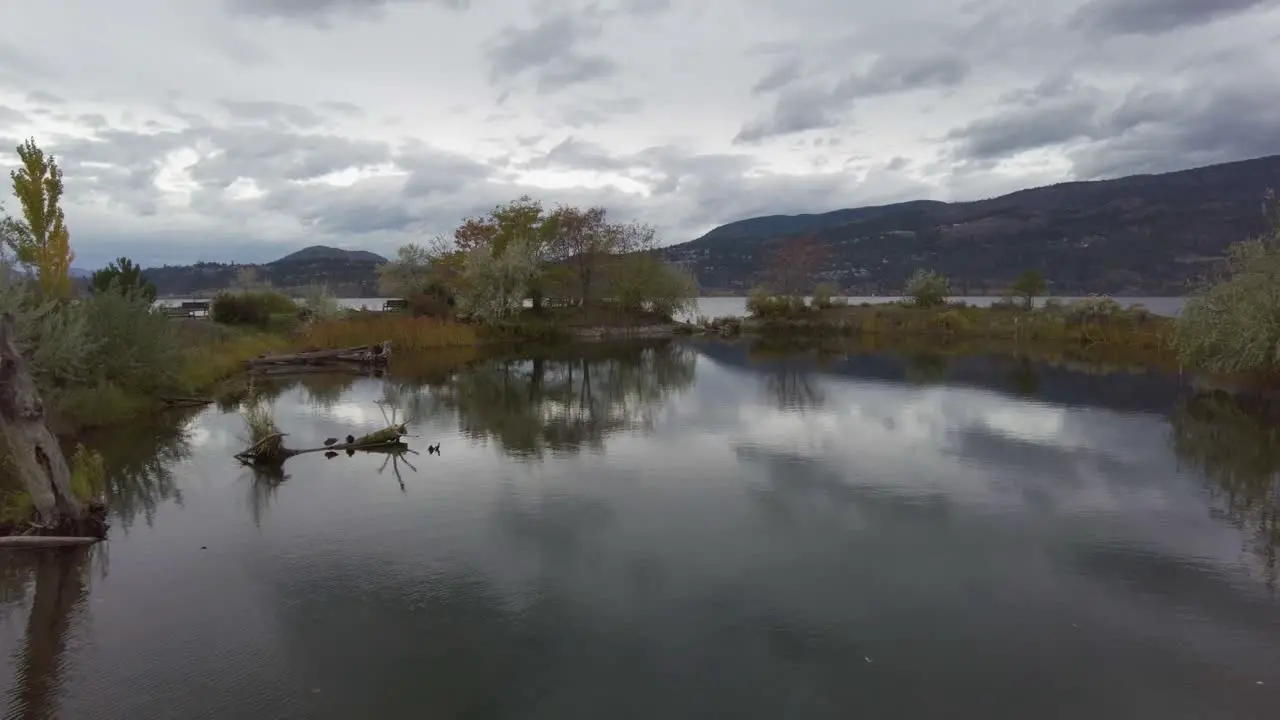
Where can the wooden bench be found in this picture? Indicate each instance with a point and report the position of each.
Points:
(195, 307)
(395, 305)
(175, 312)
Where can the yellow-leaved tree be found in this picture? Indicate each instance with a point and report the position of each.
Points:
(40, 239)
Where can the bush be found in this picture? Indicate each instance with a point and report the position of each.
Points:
(1234, 325)
(131, 345)
(928, 289)
(824, 297)
(1093, 309)
(98, 359)
(318, 304)
(762, 305)
(251, 307)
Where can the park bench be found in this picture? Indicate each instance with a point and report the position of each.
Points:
(395, 305)
(195, 307)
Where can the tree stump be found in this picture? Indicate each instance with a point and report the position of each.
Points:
(34, 452)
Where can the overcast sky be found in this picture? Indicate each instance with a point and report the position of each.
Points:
(243, 129)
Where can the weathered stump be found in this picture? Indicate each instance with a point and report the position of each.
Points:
(38, 460)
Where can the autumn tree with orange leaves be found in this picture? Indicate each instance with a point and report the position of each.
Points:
(40, 239)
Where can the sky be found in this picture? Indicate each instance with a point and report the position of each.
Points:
(240, 130)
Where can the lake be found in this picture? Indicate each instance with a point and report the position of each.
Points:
(713, 307)
(687, 529)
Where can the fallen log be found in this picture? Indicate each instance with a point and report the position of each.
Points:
(182, 402)
(361, 354)
(44, 541)
(270, 450)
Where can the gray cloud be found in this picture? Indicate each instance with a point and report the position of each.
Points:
(1150, 17)
(277, 114)
(1155, 131)
(800, 108)
(549, 50)
(343, 108)
(324, 11)
(898, 73)
(782, 74)
(797, 109)
(9, 116)
(1014, 130)
(256, 135)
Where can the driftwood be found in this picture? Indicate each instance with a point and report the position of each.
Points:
(44, 541)
(270, 450)
(184, 402)
(362, 355)
(36, 456)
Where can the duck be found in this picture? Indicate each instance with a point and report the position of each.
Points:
(433, 449)
(351, 439)
(330, 441)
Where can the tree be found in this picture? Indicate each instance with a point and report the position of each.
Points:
(520, 221)
(40, 239)
(247, 279)
(928, 288)
(408, 274)
(496, 281)
(587, 241)
(1029, 285)
(643, 283)
(124, 277)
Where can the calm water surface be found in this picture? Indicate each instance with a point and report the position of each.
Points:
(679, 531)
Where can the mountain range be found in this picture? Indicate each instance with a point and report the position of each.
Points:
(1137, 235)
(346, 273)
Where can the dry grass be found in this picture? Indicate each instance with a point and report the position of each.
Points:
(217, 352)
(405, 332)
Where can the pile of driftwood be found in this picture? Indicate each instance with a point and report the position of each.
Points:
(340, 360)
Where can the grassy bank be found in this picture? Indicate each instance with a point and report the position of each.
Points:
(1095, 323)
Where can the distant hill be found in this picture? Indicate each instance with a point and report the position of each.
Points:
(321, 253)
(346, 273)
(1138, 235)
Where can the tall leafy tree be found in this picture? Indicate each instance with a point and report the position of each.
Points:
(40, 239)
(125, 277)
(521, 226)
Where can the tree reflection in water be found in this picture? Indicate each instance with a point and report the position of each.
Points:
(53, 584)
(139, 460)
(1236, 446)
(558, 402)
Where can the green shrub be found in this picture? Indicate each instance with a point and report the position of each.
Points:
(131, 345)
(251, 307)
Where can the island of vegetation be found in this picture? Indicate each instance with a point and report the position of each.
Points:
(71, 360)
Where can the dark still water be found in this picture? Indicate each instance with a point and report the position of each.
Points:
(679, 531)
